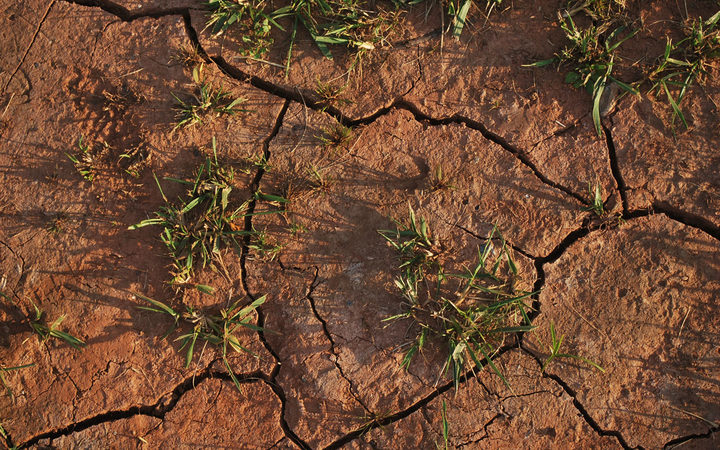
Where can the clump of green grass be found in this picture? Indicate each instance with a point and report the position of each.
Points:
(330, 93)
(458, 11)
(473, 312)
(201, 222)
(686, 61)
(44, 331)
(597, 205)
(439, 180)
(590, 57)
(208, 102)
(218, 329)
(329, 22)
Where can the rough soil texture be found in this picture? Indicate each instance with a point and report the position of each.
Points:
(518, 148)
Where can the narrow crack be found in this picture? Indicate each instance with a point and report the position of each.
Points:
(30, 45)
(248, 227)
(127, 15)
(418, 405)
(308, 100)
(677, 442)
(159, 409)
(484, 429)
(615, 169)
(333, 347)
(579, 406)
(573, 237)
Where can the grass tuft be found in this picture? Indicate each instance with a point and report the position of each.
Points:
(219, 329)
(685, 62)
(473, 312)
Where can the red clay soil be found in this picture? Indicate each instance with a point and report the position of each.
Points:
(517, 148)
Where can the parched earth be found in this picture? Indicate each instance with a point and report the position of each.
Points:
(640, 296)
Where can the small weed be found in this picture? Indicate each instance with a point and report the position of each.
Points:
(296, 228)
(686, 61)
(258, 161)
(265, 248)
(445, 426)
(336, 136)
(5, 370)
(439, 180)
(597, 205)
(84, 161)
(46, 332)
(597, 10)
(591, 58)
(202, 222)
(134, 161)
(473, 312)
(189, 56)
(208, 103)
(319, 181)
(57, 224)
(555, 344)
(218, 329)
(330, 93)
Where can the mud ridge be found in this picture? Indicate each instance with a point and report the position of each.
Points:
(691, 437)
(333, 348)
(579, 406)
(158, 410)
(126, 15)
(396, 417)
(615, 169)
(297, 96)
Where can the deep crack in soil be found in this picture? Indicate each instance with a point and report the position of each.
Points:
(304, 96)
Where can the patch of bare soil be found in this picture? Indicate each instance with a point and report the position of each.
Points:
(460, 131)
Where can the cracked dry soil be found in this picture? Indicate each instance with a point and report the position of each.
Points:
(641, 298)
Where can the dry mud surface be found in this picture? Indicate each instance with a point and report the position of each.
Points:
(641, 297)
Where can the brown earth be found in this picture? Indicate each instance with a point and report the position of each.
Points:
(518, 146)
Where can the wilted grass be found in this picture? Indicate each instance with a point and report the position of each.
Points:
(473, 313)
